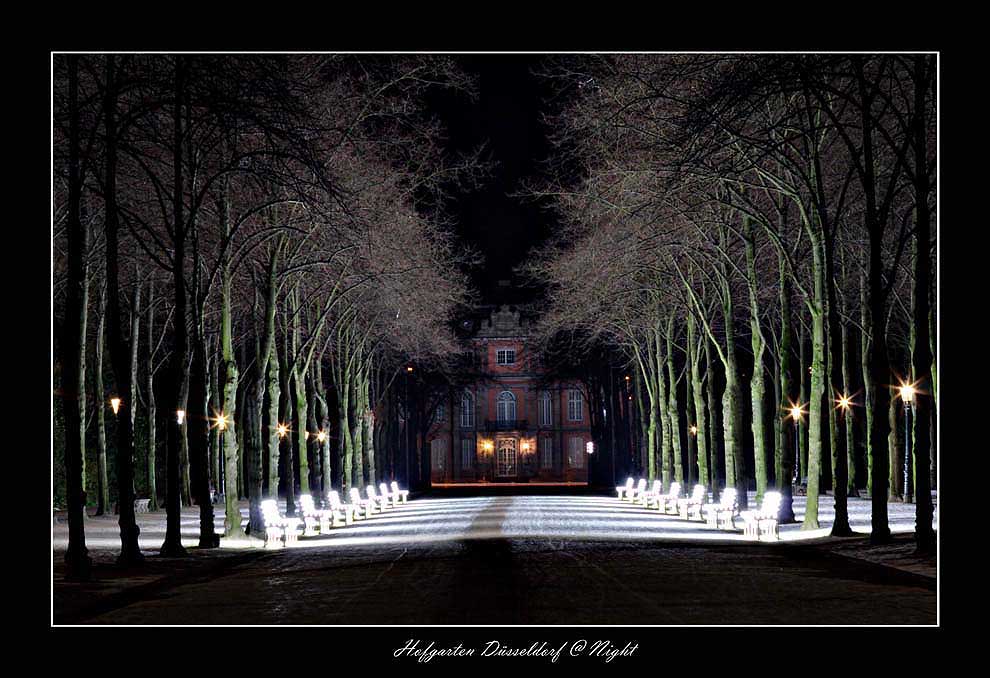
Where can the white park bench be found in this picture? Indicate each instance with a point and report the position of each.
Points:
(383, 491)
(403, 495)
(381, 502)
(723, 513)
(367, 504)
(689, 508)
(763, 520)
(666, 502)
(625, 489)
(278, 529)
(141, 505)
(649, 497)
(341, 511)
(635, 492)
(313, 516)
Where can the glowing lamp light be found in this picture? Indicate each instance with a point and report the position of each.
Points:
(845, 402)
(282, 430)
(487, 446)
(627, 377)
(694, 430)
(907, 393)
(796, 412)
(589, 447)
(409, 368)
(222, 422)
(525, 446)
(115, 404)
(180, 416)
(321, 436)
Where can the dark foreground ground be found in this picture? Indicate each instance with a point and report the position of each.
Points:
(516, 581)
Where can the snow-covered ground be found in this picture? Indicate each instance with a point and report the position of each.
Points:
(523, 517)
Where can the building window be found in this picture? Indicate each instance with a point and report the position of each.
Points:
(467, 453)
(467, 410)
(546, 453)
(506, 406)
(575, 405)
(440, 415)
(575, 452)
(546, 409)
(438, 452)
(505, 356)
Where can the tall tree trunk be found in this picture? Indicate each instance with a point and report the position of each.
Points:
(757, 385)
(789, 451)
(923, 374)
(735, 469)
(324, 417)
(713, 421)
(77, 560)
(102, 477)
(673, 406)
(817, 392)
(172, 545)
(150, 456)
(232, 521)
(367, 429)
(135, 341)
(701, 436)
(201, 436)
(894, 466)
(83, 340)
(184, 472)
(869, 390)
(130, 552)
(879, 362)
(666, 449)
(274, 393)
(848, 421)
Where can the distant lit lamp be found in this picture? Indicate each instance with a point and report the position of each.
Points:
(589, 447)
(907, 392)
(180, 416)
(282, 430)
(115, 404)
(222, 422)
(321, 436)
(409, 368)
(693, 429)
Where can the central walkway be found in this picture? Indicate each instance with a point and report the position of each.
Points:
(533, 560)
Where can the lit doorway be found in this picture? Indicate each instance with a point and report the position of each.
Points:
(505, 458)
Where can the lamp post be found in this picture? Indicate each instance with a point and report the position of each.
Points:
(907, 397)
(115, 404)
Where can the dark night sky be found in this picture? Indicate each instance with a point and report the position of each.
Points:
(505, 117)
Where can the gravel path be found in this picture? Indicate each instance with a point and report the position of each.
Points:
(540, 560)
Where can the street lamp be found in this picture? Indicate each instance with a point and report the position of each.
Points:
(321, 436)
(282, 430)
(180, 416)
(222, 422)
(907, 392)
(115, 404)
(693, 430)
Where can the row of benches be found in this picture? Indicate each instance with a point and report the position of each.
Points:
(281, 529)
(762, 522)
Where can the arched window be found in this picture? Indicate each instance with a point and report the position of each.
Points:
(506, 406)
(467, 410)
(546, 409)
(575, 405)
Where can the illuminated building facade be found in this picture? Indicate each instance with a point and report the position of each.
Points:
(512, 424)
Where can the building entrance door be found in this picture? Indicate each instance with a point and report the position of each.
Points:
(505, 459)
